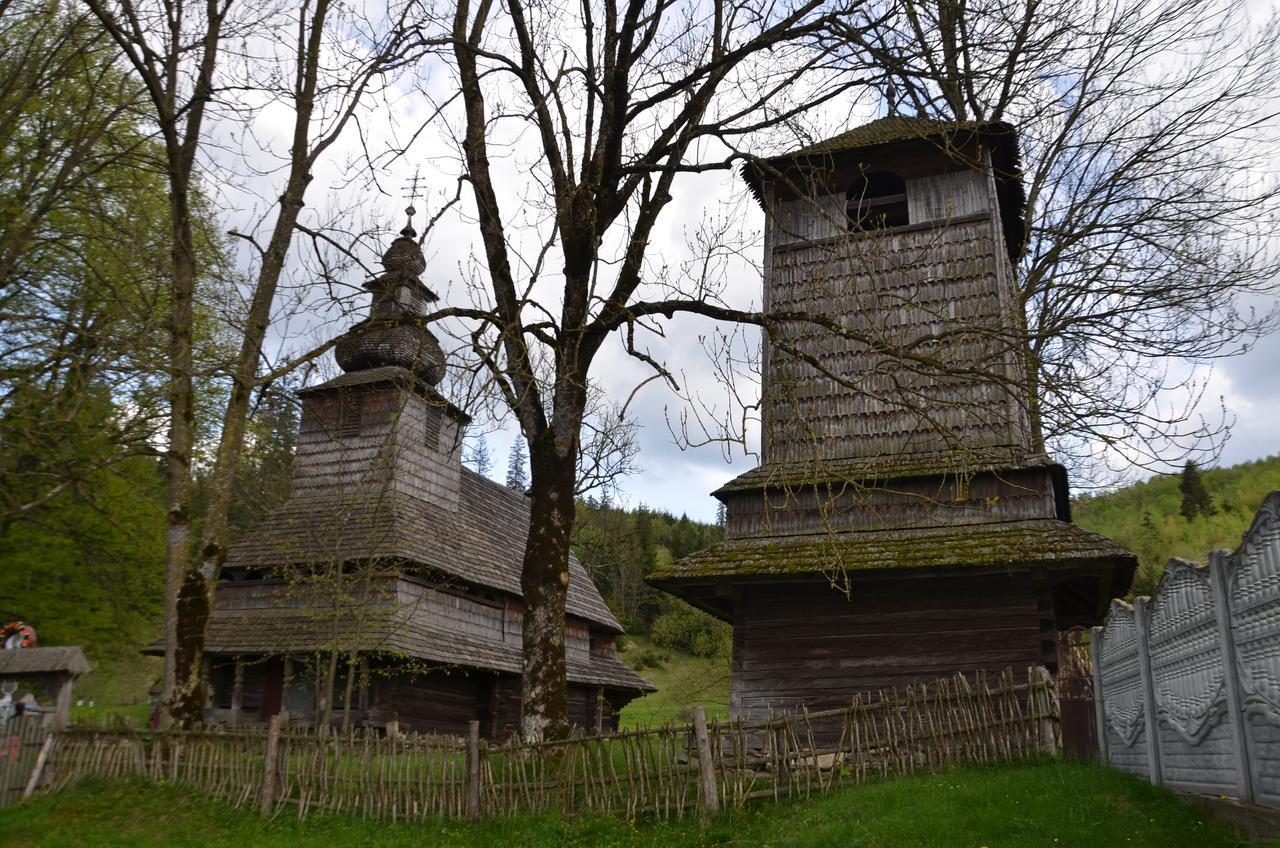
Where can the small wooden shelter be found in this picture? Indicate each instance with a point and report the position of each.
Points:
(392, 571)
(905, 522)
(53, 670)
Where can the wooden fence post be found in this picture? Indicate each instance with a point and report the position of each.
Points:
(1099, 697)
(38, 769)
(473, 771)
(706, 766)
(1040, 688)
(268, 796)
(237, 692)
(1142, 624)
(1218, 567)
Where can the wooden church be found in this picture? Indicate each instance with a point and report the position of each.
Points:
(392, 570)
(905, 521)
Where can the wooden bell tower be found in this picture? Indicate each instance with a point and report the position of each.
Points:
(905, 522)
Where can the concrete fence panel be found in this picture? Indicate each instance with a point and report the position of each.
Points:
(1188, 681)
(1253, 586)
(1193, 725)
(1124, 709)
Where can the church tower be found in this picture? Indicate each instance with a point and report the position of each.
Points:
(905, 521)
(381, 430)
(392, 555)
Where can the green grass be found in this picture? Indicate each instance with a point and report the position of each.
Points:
(682, 682)
(138, 714)
(117, 686)
(1047, 803)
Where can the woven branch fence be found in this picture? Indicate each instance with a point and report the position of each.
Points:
(670, 772)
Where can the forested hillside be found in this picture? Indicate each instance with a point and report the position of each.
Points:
(87, 567)
(620, 546)
(1148, 517)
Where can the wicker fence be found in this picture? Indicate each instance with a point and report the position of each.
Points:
(699, 768)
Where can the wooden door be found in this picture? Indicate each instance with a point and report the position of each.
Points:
(1075, 695)
(272, 688)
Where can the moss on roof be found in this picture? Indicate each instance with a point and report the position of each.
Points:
(480, 541)
(873, 469)
(1045, 542)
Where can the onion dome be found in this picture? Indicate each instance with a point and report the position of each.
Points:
(394, 333)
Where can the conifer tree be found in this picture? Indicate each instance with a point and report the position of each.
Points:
(478, 457)
(1195, 498)
(517, 476)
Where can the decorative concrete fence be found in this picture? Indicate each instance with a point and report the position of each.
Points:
(1187, 682)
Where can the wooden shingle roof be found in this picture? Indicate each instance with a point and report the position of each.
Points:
(481, 542)
(867, 470)
(273, 631)
(68, 659)
(1047, 542)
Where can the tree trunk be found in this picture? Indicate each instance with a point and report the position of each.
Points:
(545, 582)
(324, 720)
(200, 589)
(349, 691)
(178, 460)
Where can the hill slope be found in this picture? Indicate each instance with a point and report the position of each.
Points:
(1145, 517)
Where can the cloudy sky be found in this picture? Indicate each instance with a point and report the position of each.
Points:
(671, 476)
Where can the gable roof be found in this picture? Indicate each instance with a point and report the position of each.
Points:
(998, 136)
(481, 542)
(67, 659)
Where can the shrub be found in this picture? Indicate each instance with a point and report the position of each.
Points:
(684, 628)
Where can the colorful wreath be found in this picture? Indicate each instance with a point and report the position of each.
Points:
(18, 635)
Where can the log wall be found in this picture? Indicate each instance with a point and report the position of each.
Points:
(809, 645)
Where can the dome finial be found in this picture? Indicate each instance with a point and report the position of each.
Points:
(409, 231)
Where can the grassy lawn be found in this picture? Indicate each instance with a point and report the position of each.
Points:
(682, 681)
(116, 687)
(1047, 803)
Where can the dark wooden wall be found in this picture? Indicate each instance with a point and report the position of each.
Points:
(926, 501)
(810, 645)
(428, 702)
(445, 703)
(436, 702)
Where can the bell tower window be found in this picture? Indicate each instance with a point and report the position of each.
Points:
(877, 201)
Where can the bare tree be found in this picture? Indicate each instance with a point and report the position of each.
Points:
(335, 59)
(619, 100)
(1148, 130)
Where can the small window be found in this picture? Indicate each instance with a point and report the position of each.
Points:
(432, 434)
(348, 415)
(877, 201)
